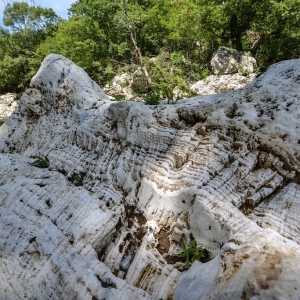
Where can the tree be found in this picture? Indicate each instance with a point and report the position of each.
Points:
(27, 27)
(84, 45)
(131, 17)
(31, 24)
(171, 40)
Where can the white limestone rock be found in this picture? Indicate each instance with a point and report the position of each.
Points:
(8, 104)
(232, 70)
(211, 168)
(217, 84)
(49, 232)
(139, 79)
(121, 85)
(228, 61)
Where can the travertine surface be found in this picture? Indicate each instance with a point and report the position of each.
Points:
(223, 169)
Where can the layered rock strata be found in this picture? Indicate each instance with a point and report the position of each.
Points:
(221, 169)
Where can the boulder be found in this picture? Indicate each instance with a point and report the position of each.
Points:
(7, 105)
(120, 85)
(221, 169)
(217, 84)
(228, 61)
(122, 80)
(232, 70)
(138, 79)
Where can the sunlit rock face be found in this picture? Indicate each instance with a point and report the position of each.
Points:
(217, 84)
(229, 61)
(8, 104)
(232, 70)
(221, 169)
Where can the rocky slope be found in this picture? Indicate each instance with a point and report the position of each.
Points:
(222, 169)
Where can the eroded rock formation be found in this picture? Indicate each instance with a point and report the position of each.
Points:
(222, 169)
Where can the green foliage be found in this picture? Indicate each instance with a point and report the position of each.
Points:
(40, 163)
(26, 19)
(77, 178)
(119, 97)
(192, 251)
(152, 97)
(167, 75)
(204, 74)
(13, 73)
(154, 94)
(245, 72)
(27, 26)
(176, 38)
(168, 93)
(84, 45)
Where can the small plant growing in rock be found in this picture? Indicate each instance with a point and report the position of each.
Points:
(207, 81)
(77, 178)
(191, 252)
(40, 163)
(244, 72)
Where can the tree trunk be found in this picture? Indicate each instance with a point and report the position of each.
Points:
(136, 48)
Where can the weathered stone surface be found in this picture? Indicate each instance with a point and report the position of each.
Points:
(233, 70)
(121, 85)
(217, 84)
(228, 61)
(49, 232)
(214, 168)
(139, 79)
(7, 105)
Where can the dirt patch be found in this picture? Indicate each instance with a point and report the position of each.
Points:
(174, 259)
(163, 241)
(133, 216)
(268, 270)
(247, 208)
(106, 283)
(128, 242)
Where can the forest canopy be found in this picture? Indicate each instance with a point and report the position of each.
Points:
(173, 39)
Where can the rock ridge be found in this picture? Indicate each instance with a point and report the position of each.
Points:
(221, 169)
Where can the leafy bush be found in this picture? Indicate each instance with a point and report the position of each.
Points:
(152, 97)
(119, 97)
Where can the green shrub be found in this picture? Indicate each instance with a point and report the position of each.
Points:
(153, 97)
(119, 97)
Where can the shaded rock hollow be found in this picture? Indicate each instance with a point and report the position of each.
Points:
(223, 169)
